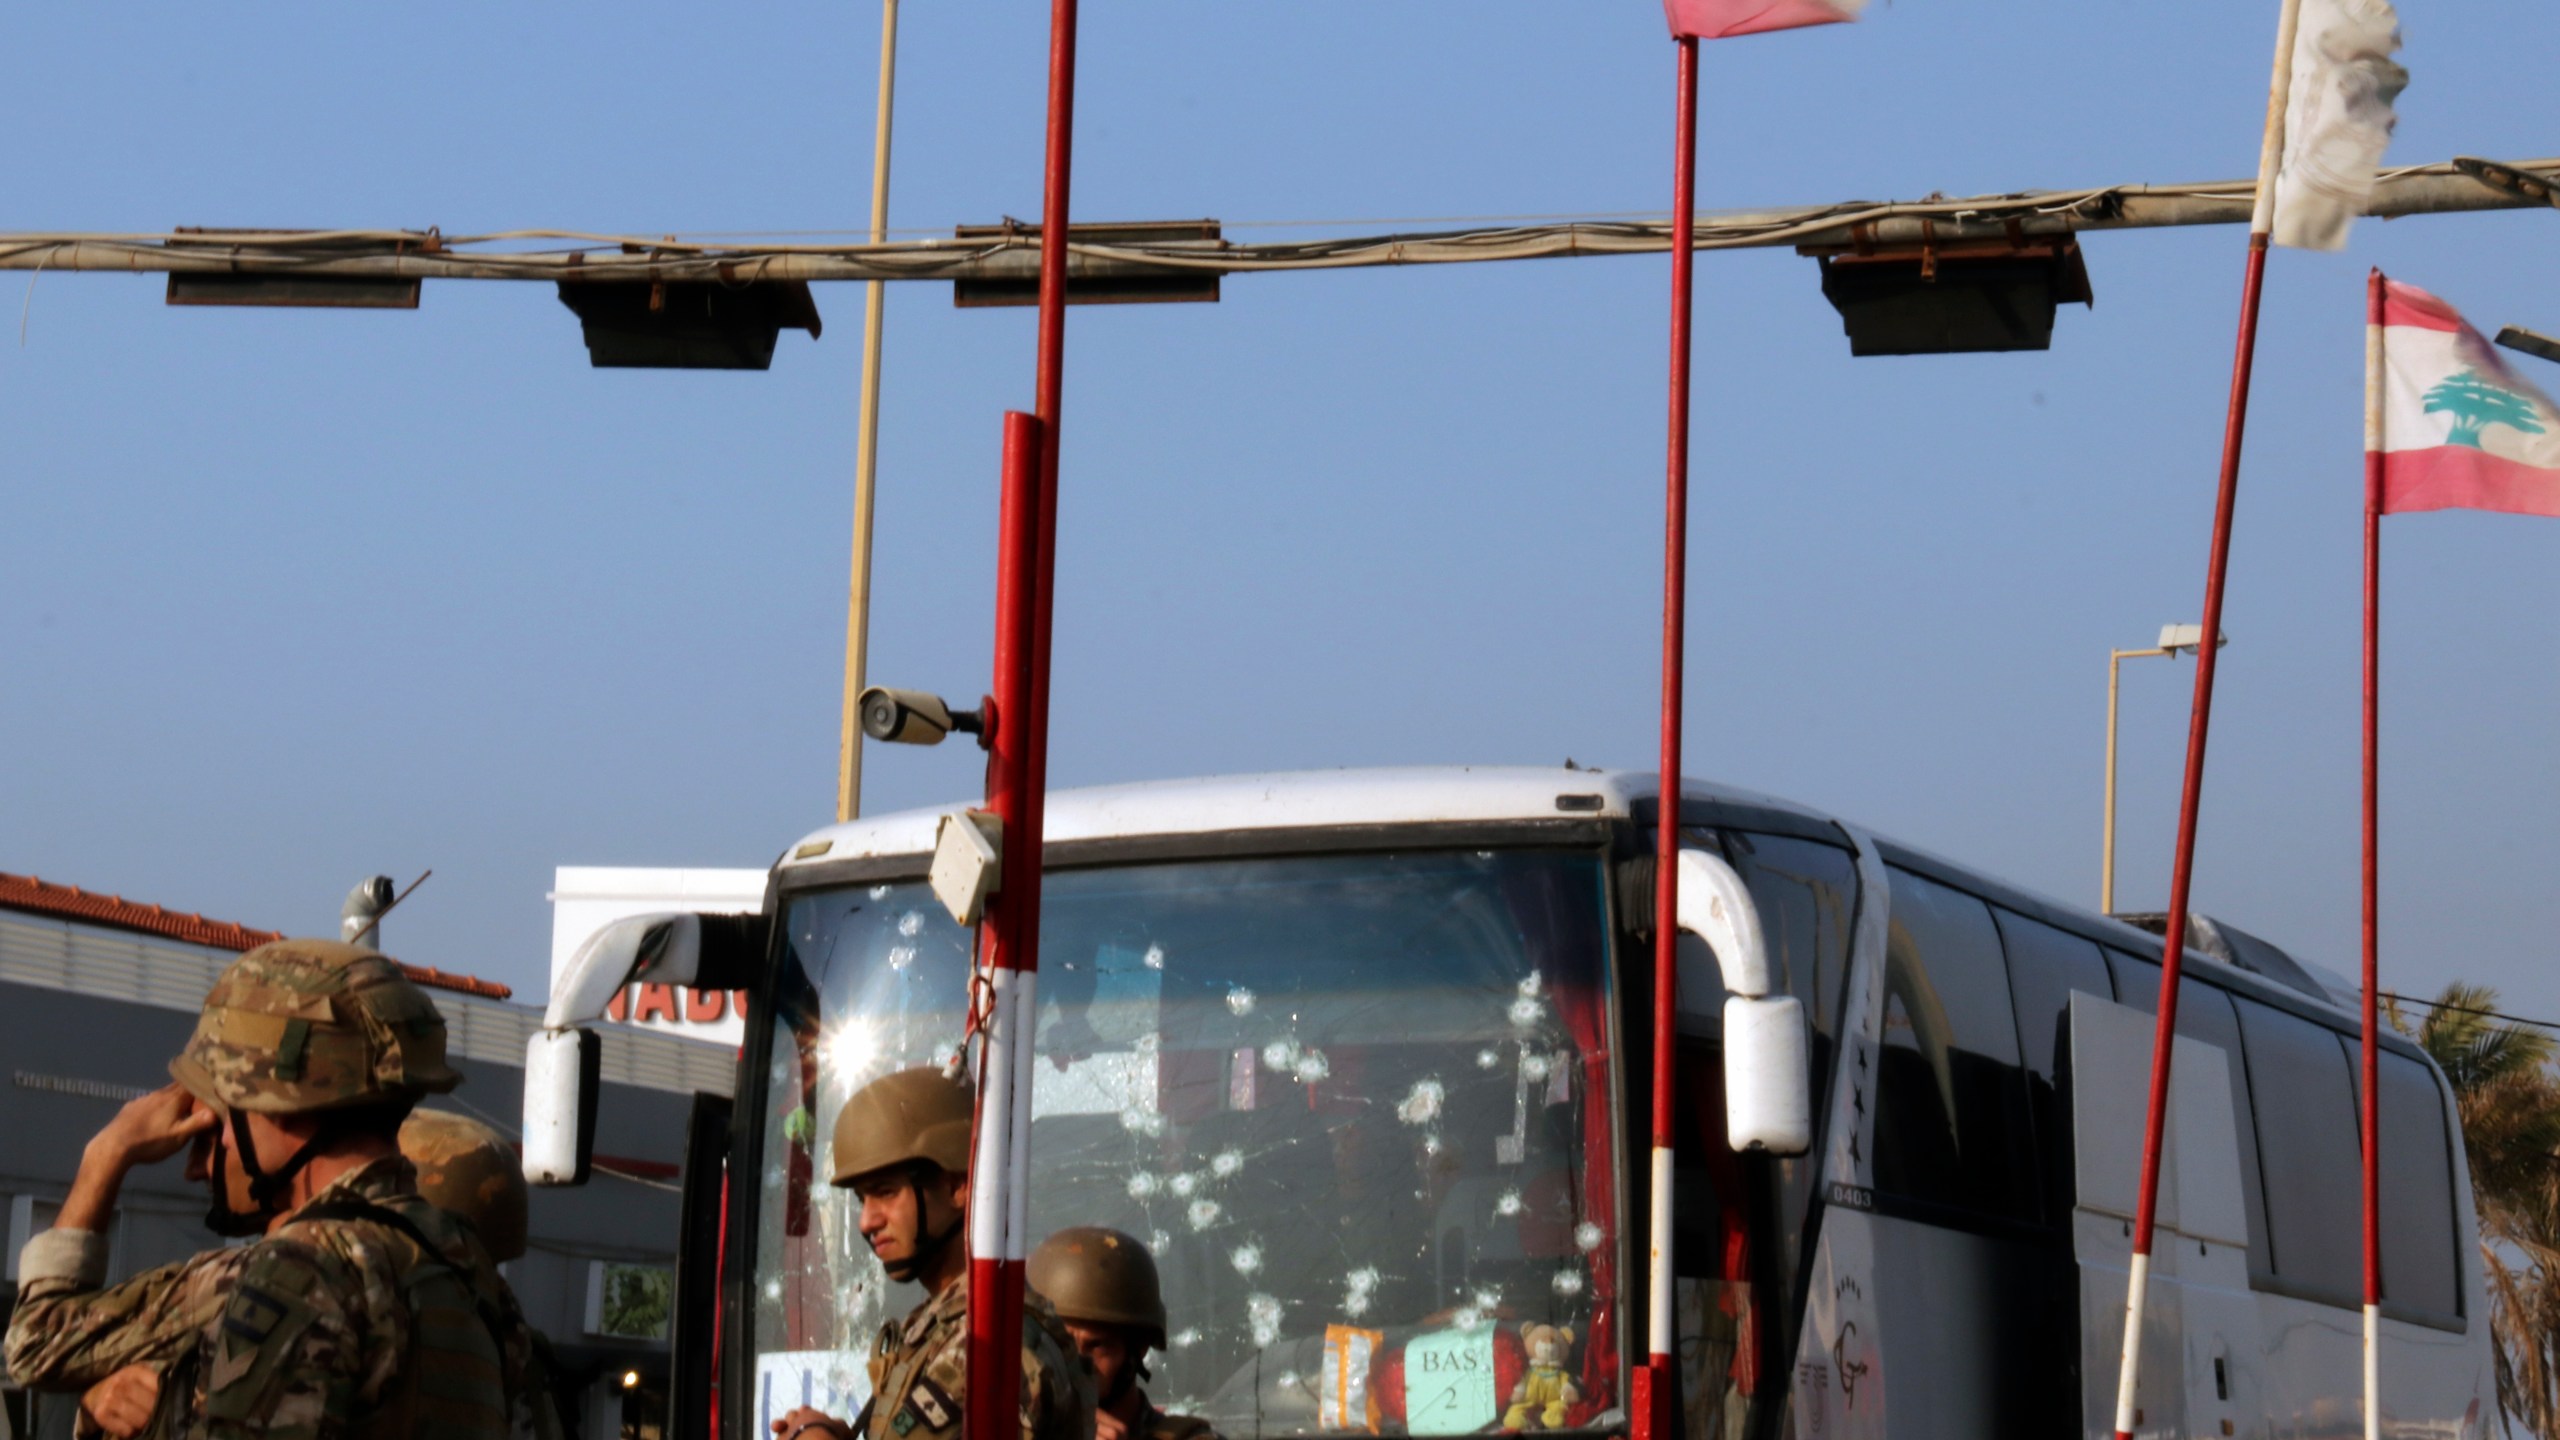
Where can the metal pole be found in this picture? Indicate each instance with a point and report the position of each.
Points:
(1011, 947)
(866, 445)
(2436, 188)
(2372, 871)
(2107, 845)
(1656, 1383)
(1049, 378)
(995, 1276)
(2200, 719)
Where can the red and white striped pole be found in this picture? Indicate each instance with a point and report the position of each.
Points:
(1655, 1382)
(1011, 958)
(2199, 722)
(1019, 770)
(2372, 870)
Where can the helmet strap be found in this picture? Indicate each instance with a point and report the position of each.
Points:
(1135, 1371)
(266, 1189)
(929, 1245)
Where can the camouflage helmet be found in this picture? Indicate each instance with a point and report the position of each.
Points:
(303, 1025)
(464, 1168)
(1100, 1277)
(901, 1118)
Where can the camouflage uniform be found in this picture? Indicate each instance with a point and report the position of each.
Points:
(298, 1334)
(465, 1170)
(920, 1366)
(368, 1314)
(920, 1375)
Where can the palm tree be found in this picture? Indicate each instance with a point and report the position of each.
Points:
(2508, 1096)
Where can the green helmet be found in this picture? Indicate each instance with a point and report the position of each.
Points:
(296, 1026)
(1100, 1277)
(902, 1118)
(465, 1169)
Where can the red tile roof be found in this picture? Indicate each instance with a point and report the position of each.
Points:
(70, 902)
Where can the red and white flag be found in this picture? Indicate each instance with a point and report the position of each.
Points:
(1717, 19)
(2456, 428)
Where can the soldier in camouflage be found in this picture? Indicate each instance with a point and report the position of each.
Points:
(363, 1310)
(1103, 1285)
(902, 1146)
(465, 1170)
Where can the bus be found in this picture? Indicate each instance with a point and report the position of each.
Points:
(1362, 1057)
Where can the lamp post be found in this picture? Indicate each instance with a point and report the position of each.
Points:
(866, 447)
(2175, 640)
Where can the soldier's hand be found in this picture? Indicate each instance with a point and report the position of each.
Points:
(806, 1423)
(153, 1128)
(1107, 1426)
(121, 1404)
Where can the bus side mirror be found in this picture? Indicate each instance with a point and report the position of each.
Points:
(563, 1060)
(563, 1071)
(1766, 1102)
(1768, 1097)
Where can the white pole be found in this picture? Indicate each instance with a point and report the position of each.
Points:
(991, 1167)
(1026, 1010)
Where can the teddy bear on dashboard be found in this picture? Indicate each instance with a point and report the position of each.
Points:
(1543, 1395)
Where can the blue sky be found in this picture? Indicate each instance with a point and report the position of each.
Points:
(290, 598)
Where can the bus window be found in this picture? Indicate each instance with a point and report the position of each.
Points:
(2305, 1096)
(2204, 1013)
(2045, 966)
(1723, 1349)
(1951, 1127)
(1359, 1106)
(2420, 1270)
(1807, 895)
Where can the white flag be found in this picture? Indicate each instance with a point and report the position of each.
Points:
(2337, 119)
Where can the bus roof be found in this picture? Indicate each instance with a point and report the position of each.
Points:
(1293, 800)
(1407, 795)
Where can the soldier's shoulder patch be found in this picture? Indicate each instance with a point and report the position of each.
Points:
(903, 1422)
(259, 1325)
(253, 1314)
(933, 1403)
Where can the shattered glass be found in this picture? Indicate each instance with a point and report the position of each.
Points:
(1357, 1106)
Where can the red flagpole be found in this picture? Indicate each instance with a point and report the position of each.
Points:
(1655, 1387)
(2372, 870)
(1027, 581)
(2199, 723)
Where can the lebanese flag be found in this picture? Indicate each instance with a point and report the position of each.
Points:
(1717, 19)
(2456, 428)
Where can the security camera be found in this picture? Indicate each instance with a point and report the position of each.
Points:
(913, 717)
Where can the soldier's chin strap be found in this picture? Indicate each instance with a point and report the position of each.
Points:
(1128, 1381)
(929, 1248)
(266, 1189)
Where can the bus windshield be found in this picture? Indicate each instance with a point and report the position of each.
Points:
(1358, 1106)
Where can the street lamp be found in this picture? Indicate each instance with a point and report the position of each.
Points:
(2175, 640)
(2531, 342)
